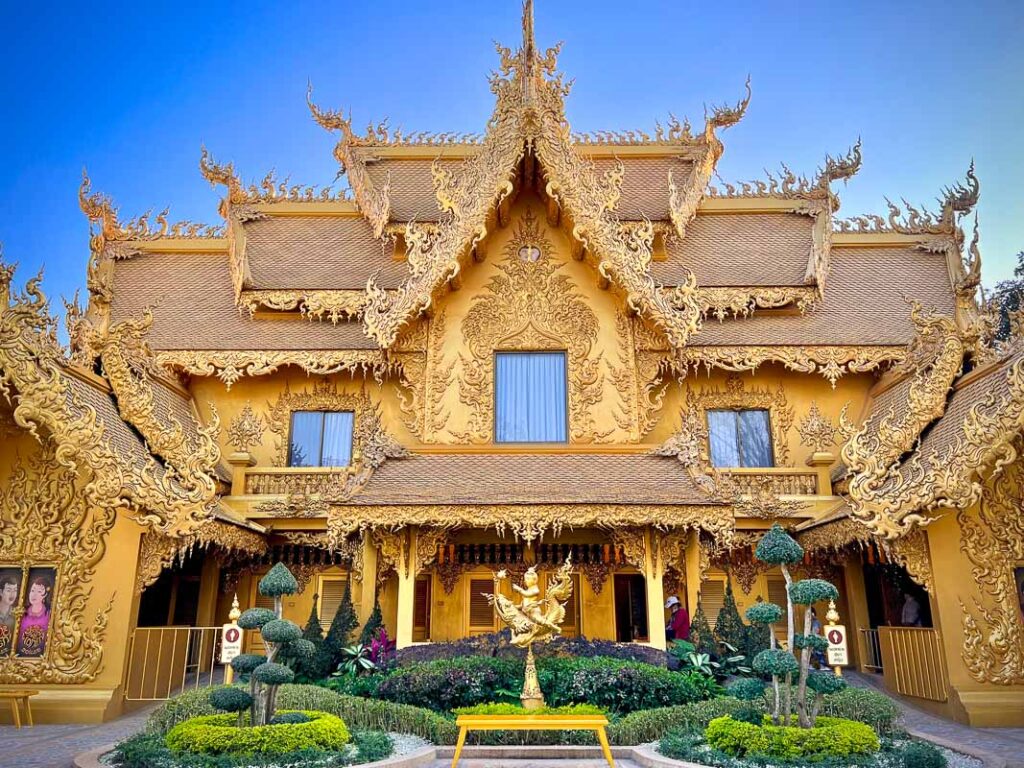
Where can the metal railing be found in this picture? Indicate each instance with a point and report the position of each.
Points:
(781, 482)
(163, 661)
(872, 650)
(913, 663)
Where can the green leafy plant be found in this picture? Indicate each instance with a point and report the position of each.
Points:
(282, 638)
(729, 626)
(372, 746)
(921, 754)
(701, 636)
(356, 660)
(219, 734)
(339, 633)
(830, 737)
(505, 708)
(312, 667)
(373, 623)
(231, 699)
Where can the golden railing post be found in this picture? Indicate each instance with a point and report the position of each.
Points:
(229, 671)
(832, 617)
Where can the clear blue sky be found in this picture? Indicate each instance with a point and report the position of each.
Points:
(132, 90)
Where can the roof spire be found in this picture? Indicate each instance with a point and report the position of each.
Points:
(529, 43)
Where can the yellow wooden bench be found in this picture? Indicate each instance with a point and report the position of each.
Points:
(594, 723)
(16, 696)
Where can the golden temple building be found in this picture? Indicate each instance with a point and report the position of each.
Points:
(507, 349)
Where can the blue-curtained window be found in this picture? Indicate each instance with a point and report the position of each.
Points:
(530, 397)
(740, 438)
(320, 439)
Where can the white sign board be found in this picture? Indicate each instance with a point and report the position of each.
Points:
(231, 643)
(837, 652)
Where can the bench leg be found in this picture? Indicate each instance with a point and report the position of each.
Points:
(605, 747)
(458, 746)
(28, 711)
(15, 713)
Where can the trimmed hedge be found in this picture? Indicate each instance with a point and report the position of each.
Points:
(502, 708)
(830, 737)
(219, 734)
(652, 724)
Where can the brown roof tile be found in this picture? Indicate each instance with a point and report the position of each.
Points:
(313, 252)
(739, 249)
(531, 479)
(194, 308)
(864, 303)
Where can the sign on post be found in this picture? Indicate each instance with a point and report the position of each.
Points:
(231, 643)
(837, 654)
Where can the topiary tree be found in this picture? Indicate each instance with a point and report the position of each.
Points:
(282, 638)
(231, 699)
(756, 637)
(373, 624)
(339, 633)
(779, 548)
(701, 636)
(729, 627)
(312, 667)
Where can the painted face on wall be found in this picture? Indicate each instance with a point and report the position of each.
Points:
(36, 596)
(8, 596)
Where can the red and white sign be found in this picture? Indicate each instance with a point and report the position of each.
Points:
(231, 643)
(837, 654)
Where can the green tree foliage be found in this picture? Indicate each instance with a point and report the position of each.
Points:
(778, 548)
(313, 667)
(1008, 297)
(729, 627)
(701, 636)
(373, 624)
(340, 631)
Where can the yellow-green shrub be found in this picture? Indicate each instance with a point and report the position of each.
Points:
(219, 734)
(830, 737)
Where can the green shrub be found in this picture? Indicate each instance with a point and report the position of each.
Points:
(444, 685)
(230, 699)
(810, 591)
(218, 734)
(921, 754)
(356, 685)
(290, 718)
(830, 737)
(280, 631)
(245, 663)
(679, 745)
(866, 706)
(825, 682)
(372, 746)
(763, 613)
(278, 581)
(777, 547)
(504, 708)
(814, 642)
(272, 673)
(746, 689)
(651, 724)
(775, 662)
(254, 618)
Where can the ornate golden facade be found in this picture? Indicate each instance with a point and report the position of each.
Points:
(153, 453)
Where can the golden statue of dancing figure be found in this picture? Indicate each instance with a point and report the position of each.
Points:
(535, 619)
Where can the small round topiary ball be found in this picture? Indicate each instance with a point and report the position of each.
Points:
(810, 591)
(254, 618)
(776, 662)
(302, 649)
(814, 642)
(824, 682)
(290, 718)
(280, 631)
(763, 614)
(278, 581)
(746, 689)
(245, 663)
(230, 699)
(777, 547)
(273, 674)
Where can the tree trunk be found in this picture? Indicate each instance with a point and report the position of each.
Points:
(789, 608)
(789, 698)
(805, 661)
(775, 708)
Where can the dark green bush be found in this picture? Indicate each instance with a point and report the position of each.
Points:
(775, 661)
(356, 685)
(445, 685)
(921, 754)
(254, 618)
(764, 613)
(777, 547)
(278, 581)
(830, 737)
(867, 706)
(280, 631)
(219, 734)
(230, 699)
(746, 689)
(651, 724)
(505, 708)
(825, 682)
(272, 673)
(372, 746)
(810, 591)
(814, 642)
(293, 718)
(245, 663)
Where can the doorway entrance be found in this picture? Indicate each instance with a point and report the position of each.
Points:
(630, 608)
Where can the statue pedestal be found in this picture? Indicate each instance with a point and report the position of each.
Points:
(532, 698)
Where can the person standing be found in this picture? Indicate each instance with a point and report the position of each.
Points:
(678, 626)
(911, 614)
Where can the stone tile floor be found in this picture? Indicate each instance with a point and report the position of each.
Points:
(54, 746)
(1004, 743)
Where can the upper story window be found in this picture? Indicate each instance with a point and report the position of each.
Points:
(530, 403)
(320, 439)
(740, 438)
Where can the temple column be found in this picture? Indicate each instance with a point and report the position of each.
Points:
(857, 605)
(209, 582)
(368, 587)
(406, 570)
(693, 572)
(654, 571)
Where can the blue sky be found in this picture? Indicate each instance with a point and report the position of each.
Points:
(133, 90)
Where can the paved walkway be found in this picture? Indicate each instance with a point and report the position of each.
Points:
(1004, 743)
(54, 746)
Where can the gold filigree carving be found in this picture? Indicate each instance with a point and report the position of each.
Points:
(334, 305)
(817, 431)
(530, 305)
(246, 429)
(230, 366)
(832, 362)
(631, 542)
(911, 551)
(992, 538)
(722, 303)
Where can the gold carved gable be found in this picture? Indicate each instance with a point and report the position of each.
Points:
(532, 301)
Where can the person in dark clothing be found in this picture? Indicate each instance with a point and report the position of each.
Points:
(678, 626)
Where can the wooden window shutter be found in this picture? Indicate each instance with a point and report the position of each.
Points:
(481, 612)
(421, 609)
(571, 625)
(331, 591)
(712, 599)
